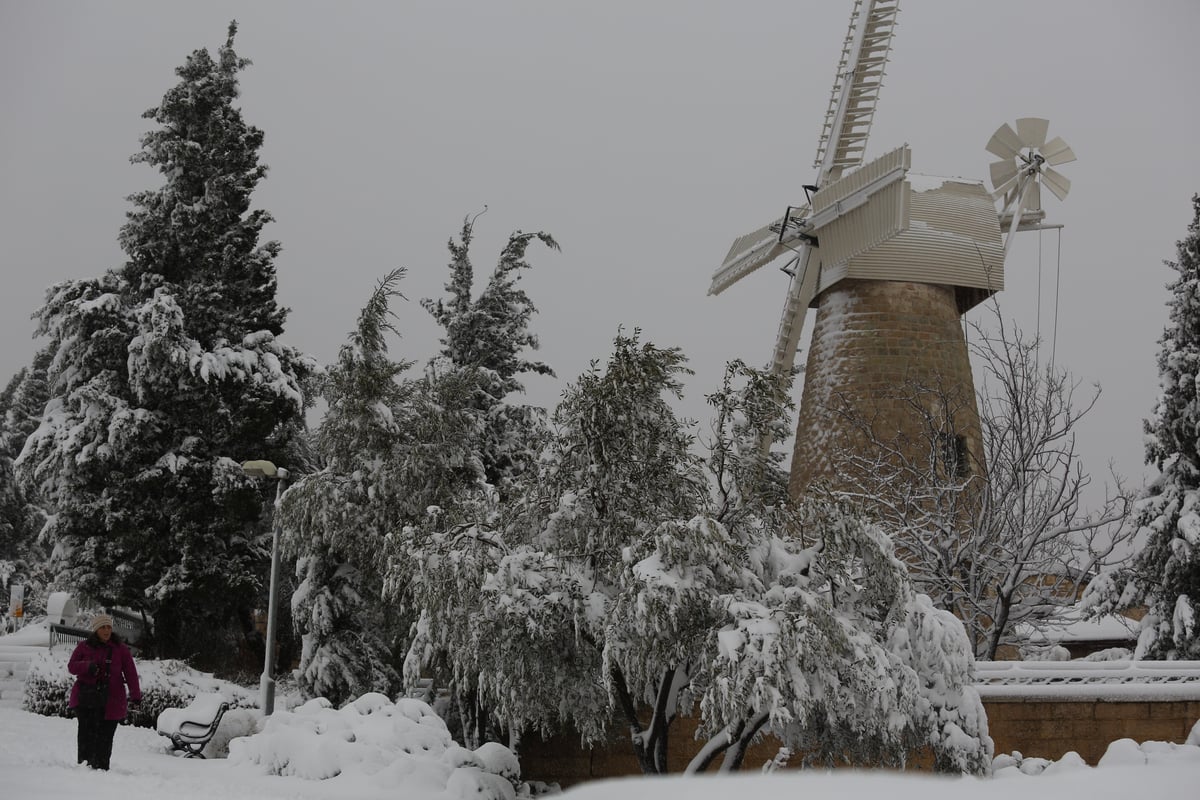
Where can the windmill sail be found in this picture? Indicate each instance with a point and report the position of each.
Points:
(850, 216)
(746, 254)
(862, 210)
(856, 87)
(841, 147)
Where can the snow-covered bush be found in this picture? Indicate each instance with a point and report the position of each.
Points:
(165, 684)
(48, 685)
(1121, 753)
(1109, 654)
(402, 743)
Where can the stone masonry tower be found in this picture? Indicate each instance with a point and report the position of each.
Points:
(880, 349)
(888, 351)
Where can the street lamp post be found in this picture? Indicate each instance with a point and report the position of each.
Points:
(265, 469)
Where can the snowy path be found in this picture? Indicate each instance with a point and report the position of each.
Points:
(14, 667)
(37, 762)
(17, 650)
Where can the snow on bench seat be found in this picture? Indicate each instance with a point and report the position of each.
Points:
(191, 728)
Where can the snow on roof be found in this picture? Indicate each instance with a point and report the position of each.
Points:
(36, 634)
(1072, 627)
(927, 183)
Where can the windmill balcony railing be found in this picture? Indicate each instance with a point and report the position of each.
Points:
(1115, 681)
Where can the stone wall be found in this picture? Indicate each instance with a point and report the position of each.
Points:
(1049, 729)
(561, 758)
(1035, 728)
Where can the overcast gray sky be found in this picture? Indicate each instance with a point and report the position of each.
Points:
(644, 136)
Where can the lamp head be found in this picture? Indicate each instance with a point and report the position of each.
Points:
(260, 469)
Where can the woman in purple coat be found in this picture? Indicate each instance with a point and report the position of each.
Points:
(102, 660)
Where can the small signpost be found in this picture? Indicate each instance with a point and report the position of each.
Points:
(16, 603)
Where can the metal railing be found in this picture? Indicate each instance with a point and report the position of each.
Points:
(1082, 680)
(65, 634)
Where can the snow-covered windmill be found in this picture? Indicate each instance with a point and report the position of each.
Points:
(890, 260)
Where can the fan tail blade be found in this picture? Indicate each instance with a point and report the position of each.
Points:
(1006, 187)
(1032, 131)
(1002, 172)
(1057, 152)
(1004, 142)
(1056, 182)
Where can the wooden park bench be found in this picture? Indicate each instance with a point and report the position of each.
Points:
(191, 728)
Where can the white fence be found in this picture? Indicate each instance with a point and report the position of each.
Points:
(1117, 681)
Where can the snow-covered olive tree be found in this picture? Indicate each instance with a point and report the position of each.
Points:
(618, 464)
(167, 371)
(628, 582)
(1165, 575)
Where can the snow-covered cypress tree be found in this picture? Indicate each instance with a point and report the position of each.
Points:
(197, 234)
(397, 451)
(1165, 575)
(22, 403)
(21, 518)
(337, 518)
(490, 334)
(168, 372)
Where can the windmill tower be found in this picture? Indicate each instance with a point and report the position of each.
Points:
(891, 261)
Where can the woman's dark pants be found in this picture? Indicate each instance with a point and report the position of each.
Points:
(95, 737)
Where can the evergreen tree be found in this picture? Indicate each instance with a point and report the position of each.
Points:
(333, 524)
(21, 518)
(490, 334)
(395, 449)
(1165, 575)
(403, 452)
(168, 372)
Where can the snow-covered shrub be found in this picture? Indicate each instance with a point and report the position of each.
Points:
(165, 684)
(1055, 652)
(1109, 654)
(402, 743)
(1121, 753)
(48, 685)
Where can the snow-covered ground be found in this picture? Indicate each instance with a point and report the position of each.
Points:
(37, 761)
(376, 748)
